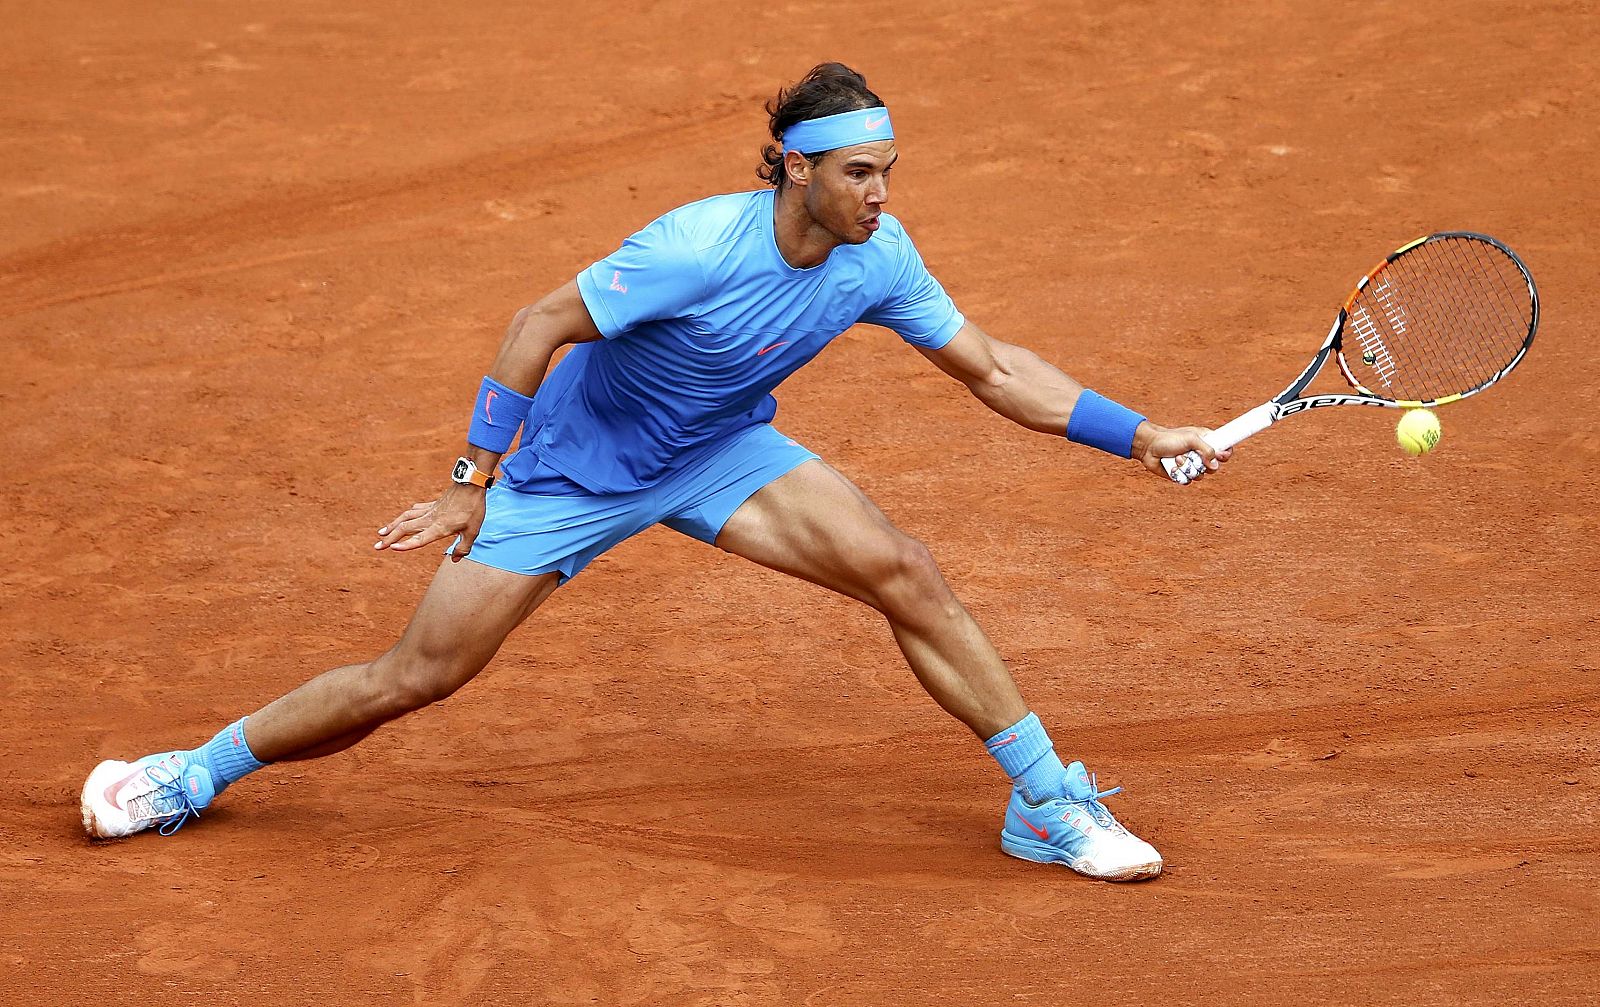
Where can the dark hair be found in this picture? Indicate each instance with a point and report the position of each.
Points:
(828, 89)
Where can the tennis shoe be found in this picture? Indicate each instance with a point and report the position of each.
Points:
(1078, 831)
(165, 790)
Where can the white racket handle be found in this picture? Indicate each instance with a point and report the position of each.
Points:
(1183, 469)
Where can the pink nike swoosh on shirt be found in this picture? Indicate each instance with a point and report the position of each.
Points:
(767, 349)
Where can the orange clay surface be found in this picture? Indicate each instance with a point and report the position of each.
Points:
(255, 257)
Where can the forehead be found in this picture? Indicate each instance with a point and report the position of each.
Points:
(877, 154)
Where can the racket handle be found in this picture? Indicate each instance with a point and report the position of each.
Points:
(1181, 470)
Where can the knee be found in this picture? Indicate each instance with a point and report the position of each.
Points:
(404, 680)
(909, 584)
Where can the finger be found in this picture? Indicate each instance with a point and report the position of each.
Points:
(415, 510)
(1200, 446)
(469, 534)
(1216, 458)
(402, 529)
(432, 533)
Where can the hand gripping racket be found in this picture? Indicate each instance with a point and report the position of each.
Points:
(1439, 319)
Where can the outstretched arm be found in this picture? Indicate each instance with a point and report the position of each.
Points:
(536, 332)
(1024, 388)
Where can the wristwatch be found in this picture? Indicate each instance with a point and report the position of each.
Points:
(468, 474)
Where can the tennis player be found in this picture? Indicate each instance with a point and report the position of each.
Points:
(661, 414)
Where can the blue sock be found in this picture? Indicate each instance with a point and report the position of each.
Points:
(1024, 751)
(228, 756)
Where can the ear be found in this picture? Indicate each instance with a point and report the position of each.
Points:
(797, 167)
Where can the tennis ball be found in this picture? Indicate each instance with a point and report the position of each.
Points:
(1418, 432)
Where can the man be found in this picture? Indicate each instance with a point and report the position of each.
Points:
(660, 414)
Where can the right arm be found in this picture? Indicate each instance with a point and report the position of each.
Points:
(536, 332)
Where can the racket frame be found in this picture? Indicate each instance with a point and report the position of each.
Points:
(1289, 401)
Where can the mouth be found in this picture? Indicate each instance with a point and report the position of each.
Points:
(871, 223)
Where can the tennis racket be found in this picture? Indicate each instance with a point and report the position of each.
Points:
(1439, 319)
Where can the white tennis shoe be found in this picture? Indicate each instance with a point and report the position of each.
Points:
(1078, 831)
(121, 798)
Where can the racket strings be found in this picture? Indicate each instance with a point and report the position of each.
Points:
(1446, 317)
(1464, 328)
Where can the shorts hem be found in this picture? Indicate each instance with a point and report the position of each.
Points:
(559, 567)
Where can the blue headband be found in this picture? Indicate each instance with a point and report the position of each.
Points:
(831, 132)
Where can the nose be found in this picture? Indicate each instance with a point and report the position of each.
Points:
(878, 191)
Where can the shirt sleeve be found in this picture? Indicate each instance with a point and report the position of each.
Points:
(654, 275)
(915, 305)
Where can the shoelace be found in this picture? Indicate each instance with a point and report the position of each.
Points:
(170, 792)
(1100, 812)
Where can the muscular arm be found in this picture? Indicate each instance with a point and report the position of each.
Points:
(1013, 381)
(1024, 388)
(558, 319)
(534, 335)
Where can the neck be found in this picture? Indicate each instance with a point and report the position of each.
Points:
(802, 242)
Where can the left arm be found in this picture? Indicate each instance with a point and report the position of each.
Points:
(1024, 388)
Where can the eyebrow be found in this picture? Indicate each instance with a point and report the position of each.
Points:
(861, 162)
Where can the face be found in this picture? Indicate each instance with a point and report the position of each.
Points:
(846, 190)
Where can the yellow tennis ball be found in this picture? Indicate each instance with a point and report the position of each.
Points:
(1418, 432)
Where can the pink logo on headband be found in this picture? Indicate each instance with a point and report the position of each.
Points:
(843, 129)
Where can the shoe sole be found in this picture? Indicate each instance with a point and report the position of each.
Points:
(1039, 853)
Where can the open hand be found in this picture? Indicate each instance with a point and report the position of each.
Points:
(458, 512)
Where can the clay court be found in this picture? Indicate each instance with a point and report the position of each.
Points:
(256, 257)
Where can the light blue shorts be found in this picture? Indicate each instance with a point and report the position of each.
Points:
(550, 523)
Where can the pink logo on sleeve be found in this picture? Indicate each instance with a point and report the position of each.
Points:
(616, 282)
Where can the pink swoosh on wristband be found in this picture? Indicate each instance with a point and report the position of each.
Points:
(488, 400)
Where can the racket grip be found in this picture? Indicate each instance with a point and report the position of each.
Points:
(1181, 470)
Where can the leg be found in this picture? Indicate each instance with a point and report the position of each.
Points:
(460, 624)
(815, 524)
(465, 616)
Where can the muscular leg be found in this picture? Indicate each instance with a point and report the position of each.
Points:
(463, 619)
(815, 524)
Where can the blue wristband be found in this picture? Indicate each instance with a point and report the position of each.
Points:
(497, 416)
(1101, 423)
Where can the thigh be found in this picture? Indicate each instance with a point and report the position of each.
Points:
(699, 499)
(466, 614)
(817, 525)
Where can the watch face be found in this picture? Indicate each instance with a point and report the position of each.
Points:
(462, 468)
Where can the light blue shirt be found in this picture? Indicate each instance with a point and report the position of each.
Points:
(702, 319)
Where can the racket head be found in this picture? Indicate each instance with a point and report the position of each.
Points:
(1440, 318)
